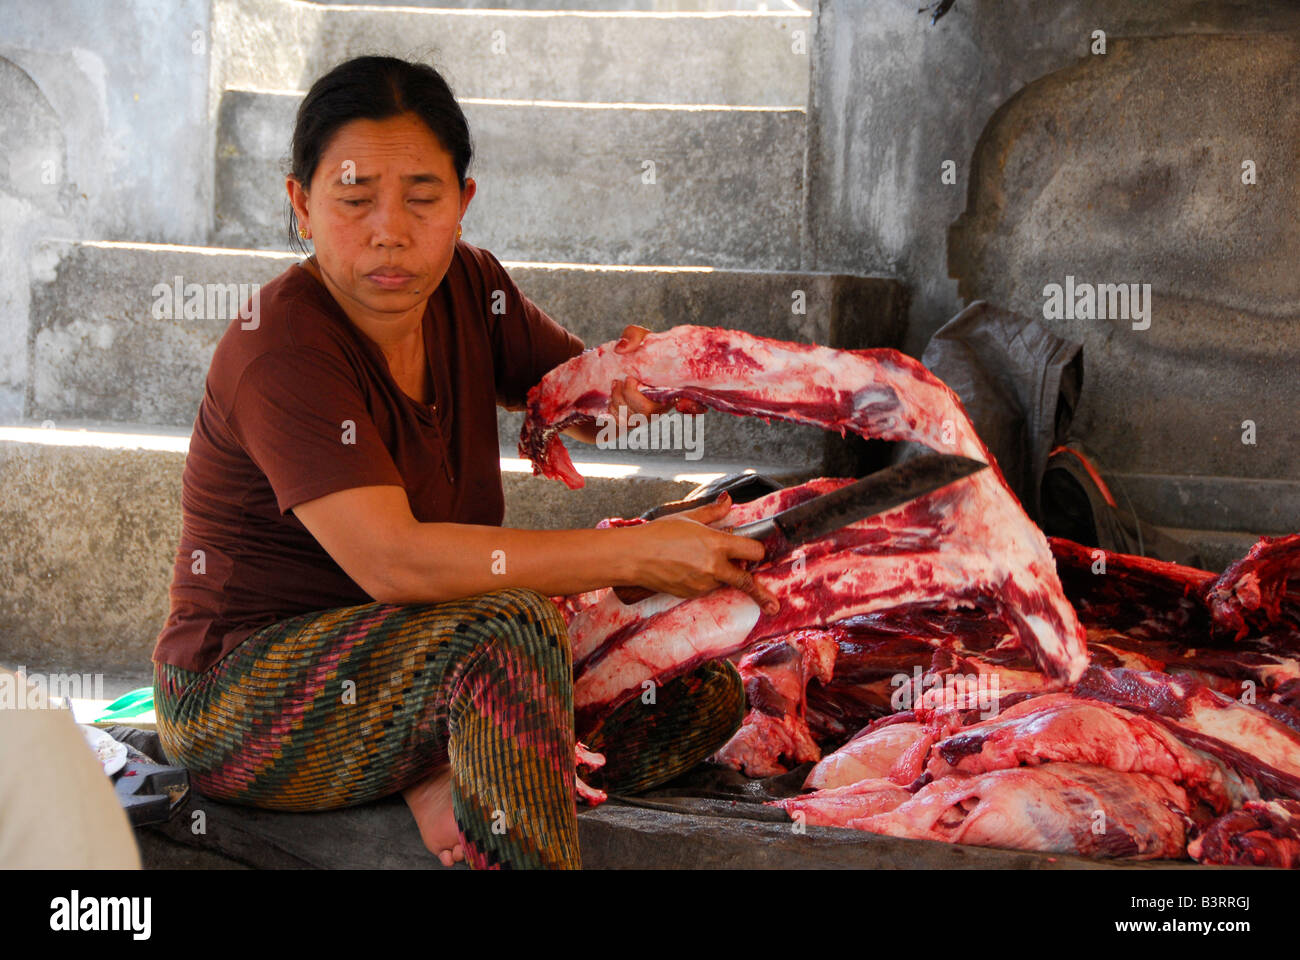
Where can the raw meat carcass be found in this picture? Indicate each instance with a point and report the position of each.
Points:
(881, 654)
(967, 543)
(1238, 633)
(1263, 833)
(1054, 808)
(599, 618)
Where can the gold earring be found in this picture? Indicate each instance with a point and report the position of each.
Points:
(459, 231)
(302, 233)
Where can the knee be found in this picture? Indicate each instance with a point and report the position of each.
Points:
(535, 621)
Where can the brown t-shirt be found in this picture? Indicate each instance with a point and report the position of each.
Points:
(304, 405)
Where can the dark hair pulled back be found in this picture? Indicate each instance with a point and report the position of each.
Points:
(374, 88)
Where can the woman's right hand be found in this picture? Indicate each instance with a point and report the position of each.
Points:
(679, 554)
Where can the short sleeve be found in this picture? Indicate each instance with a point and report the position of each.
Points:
(300, 416)
(526, 343)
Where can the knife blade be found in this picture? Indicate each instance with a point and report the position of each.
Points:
(873, 494)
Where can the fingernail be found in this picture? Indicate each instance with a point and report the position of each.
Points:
(771, 608)
(724, 497)
(622, 342)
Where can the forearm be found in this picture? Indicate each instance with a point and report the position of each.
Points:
(444, 561)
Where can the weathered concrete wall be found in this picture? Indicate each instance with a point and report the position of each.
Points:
(1128, 169)
(103, 135)
(595, 53)
(34, 196)
(575, 195)
(129, 84)
(893, 97)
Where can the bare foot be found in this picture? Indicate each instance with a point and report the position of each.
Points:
(430, 803)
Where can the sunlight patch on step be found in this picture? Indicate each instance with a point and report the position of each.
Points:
(107, 439)
(791, 10)
(576, 104)
(289, 255)
(606, 267)
(591, 105)
(180, 442)
(183, 248)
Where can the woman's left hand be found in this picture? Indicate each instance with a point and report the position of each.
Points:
(625, 396)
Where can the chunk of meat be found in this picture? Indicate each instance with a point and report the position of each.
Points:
(971, 540)
(776, 674)
(1260, 589)
(874, 755)
(837, 806)
(1247, 739)
(599, 617)
(1263, 833)
(589, 761)
(1054, 808)
(1059, 727)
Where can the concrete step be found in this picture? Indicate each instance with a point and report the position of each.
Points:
(1210, 504)
(93, 519)
(98, 353)
(666, 6)
(1218, 548)
(727, 190)
(728, 55)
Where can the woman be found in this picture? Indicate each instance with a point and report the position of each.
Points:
(348, 617)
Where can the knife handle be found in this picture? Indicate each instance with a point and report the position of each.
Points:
(761, 530)
(765, 529)
(633, 594)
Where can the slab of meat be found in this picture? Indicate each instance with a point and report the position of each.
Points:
(1054, 808)
(1250, 665)
(1264, 833)
(1142, 598)
(896, 747)
(1146, 599)
(1059, 727)
(970, 541)
(776, 674)
(850, 803)
(1246, 738)
(875, 754)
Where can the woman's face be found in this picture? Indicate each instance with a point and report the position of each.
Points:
(382, 211)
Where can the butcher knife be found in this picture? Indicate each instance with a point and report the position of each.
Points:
(873, 494)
